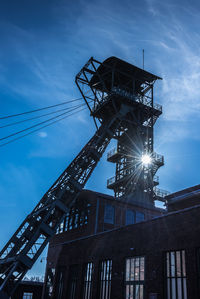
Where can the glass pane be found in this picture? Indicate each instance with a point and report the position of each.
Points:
(109, 214)
(184, 288)
(142, 268)
(131, 292)
(137, 273)
(183, 263)
(168, 272)
(179, 288)
(137, 291)
(130, 217)
(91, 269)
(127, 292)
(173, 281)
(168, 289)
(178, 264)
(110, 270)
(104, 270)
(139, 217)
(128, 269)
(141, 292)
(103, 290)
(106, 293)
(132, 269)
(172, 264)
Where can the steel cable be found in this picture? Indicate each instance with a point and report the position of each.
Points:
(40, 109)
(15, 139)
(38, 124)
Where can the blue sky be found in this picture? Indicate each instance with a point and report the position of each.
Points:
(43, 46)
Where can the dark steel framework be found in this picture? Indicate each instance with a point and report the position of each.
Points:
(116, 94)
(105, 86)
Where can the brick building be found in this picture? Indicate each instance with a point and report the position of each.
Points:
(117, 255)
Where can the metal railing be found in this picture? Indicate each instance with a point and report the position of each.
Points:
(121, 176)
(158, 158)
(127, 173)
(156, 179)
(161, 193)
(136, 98)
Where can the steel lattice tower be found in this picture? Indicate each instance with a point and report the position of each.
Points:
(120, 99)
(114, 83)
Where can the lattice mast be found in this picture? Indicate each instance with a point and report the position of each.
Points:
(115, 82)
(114, 113)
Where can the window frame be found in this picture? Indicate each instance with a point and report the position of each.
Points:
(27, 295)
(141, 213)
(134, 283)
(113, 214)
(86, 283)
(170, 277)
(134, 216)
(107, 282)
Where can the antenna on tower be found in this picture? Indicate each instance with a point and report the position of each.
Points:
(143, 58)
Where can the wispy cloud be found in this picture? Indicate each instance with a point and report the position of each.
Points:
(42, 134)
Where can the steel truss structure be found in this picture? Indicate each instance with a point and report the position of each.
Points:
(105, 86)
(117, 95)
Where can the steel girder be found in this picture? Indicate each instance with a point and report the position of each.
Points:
(30, 239)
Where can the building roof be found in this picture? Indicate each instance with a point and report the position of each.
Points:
(125, 69)
(190, 195)
(125, 200)
(190, 190)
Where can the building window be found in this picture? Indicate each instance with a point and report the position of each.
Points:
(76, 218)
(130, 217)
(139, 217)
(109, 214)
(28, 296)
(60, 284)
(72, 282)
(105, 279)
(176, 275)
(134, 279)
(88, 276)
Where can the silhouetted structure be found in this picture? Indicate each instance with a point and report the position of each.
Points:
(118, 88)
(154, 259)
(120, 99)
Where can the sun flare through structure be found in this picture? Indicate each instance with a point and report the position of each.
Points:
(146, 160)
